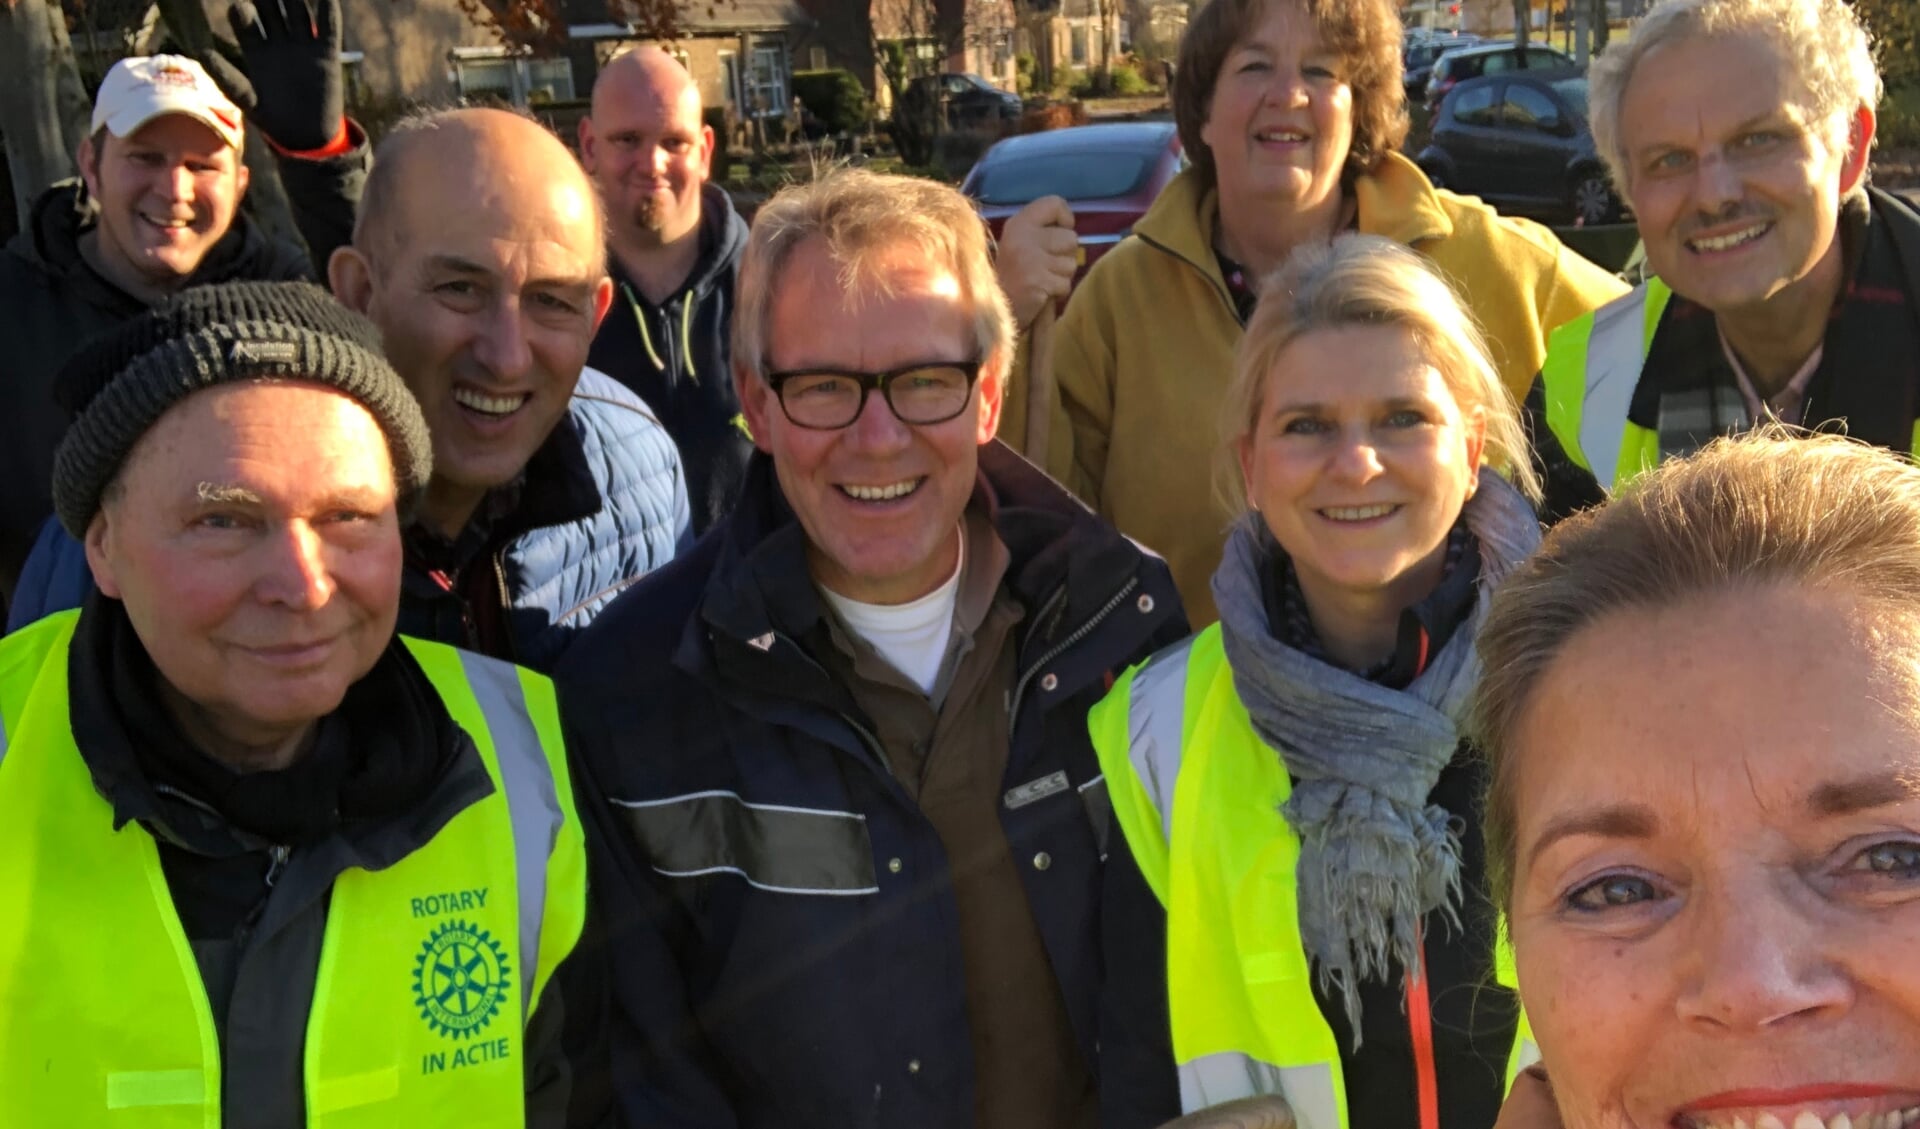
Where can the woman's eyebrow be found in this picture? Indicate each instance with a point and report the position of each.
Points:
(1862, 793)
(1615, 821)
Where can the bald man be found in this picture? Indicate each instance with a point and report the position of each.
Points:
(674, 244)
(479, 254)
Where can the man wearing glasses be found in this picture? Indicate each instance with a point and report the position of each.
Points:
(848, 820)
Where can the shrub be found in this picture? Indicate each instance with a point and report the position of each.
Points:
(1129, 82)
(1895, 25)
(1053, 115)
(835, 98)
(915, 124)
(1024, 68)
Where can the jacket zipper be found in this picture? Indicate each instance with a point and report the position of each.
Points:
(1055, 651)
(866, 736)
(276, 862)
(1225, 295)
(1420, 1026)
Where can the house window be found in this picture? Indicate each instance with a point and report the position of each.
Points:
(817, 58)
(1080, 46)
(353, 78)
(767, 82)
(493, 73)
(730, 81)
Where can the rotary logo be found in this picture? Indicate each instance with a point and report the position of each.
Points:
(460, 979)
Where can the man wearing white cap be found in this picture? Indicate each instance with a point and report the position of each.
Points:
(157, 209)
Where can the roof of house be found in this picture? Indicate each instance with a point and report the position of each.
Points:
(703, 17)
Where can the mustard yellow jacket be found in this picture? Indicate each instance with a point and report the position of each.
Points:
(1143, 355)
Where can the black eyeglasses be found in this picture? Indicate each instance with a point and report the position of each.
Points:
(829, 399)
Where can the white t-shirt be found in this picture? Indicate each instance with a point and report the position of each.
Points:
(912, 637)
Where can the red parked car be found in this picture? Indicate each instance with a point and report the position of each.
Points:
(1109, 174)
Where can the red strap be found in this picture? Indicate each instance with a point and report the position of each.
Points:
(342, 142)
(1420, 1025)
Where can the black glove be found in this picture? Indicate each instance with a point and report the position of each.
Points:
(292, 88)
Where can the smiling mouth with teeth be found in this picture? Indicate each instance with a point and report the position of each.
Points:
(168, 223)
(1805, 1119)
(1357, 513)
(489, 405)
(881, 493)
(1731, 240)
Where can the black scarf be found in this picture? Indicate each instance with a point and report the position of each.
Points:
(1869, 373)
(379, 753)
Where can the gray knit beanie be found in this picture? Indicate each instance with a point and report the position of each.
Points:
(119, 385)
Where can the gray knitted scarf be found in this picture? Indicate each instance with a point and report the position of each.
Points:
(1375, 857)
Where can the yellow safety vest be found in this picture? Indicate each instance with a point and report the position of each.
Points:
(427, 972)
(1198, 795)
(1590, 375)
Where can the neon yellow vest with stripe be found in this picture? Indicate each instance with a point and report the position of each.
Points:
(1591, 372)
(427, 971)
(1198, 795)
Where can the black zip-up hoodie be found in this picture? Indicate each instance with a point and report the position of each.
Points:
(675, 357)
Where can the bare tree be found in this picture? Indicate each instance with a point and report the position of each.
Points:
(911, 40)
(43, 107)
(1036, 16)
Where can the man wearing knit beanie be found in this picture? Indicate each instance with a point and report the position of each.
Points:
(279, 860)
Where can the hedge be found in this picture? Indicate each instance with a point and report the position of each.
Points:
(834, 97)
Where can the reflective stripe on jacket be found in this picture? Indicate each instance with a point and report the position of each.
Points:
(1198, 795)
(428, 970)
(1591, 373)
(1592, 369)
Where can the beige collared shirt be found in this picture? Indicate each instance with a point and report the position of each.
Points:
(1789, 405)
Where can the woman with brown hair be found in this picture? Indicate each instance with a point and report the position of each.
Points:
(1702, 717)
(1292, 112)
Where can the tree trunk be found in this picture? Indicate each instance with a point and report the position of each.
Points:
(1600, 28)
(36, 104)
(1523, 21)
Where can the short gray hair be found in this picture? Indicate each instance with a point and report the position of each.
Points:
(1820, 42)
(863, 215)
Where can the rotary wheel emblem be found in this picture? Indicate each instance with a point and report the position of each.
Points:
(460, 979)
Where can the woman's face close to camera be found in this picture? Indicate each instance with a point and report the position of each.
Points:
(1716, 901)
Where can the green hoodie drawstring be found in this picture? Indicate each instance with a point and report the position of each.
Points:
(646, 338)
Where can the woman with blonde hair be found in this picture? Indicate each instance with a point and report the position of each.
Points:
(1291, 915)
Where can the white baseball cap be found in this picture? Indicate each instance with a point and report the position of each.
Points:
(142, 88)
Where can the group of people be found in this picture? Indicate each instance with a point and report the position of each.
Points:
(602, 662)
